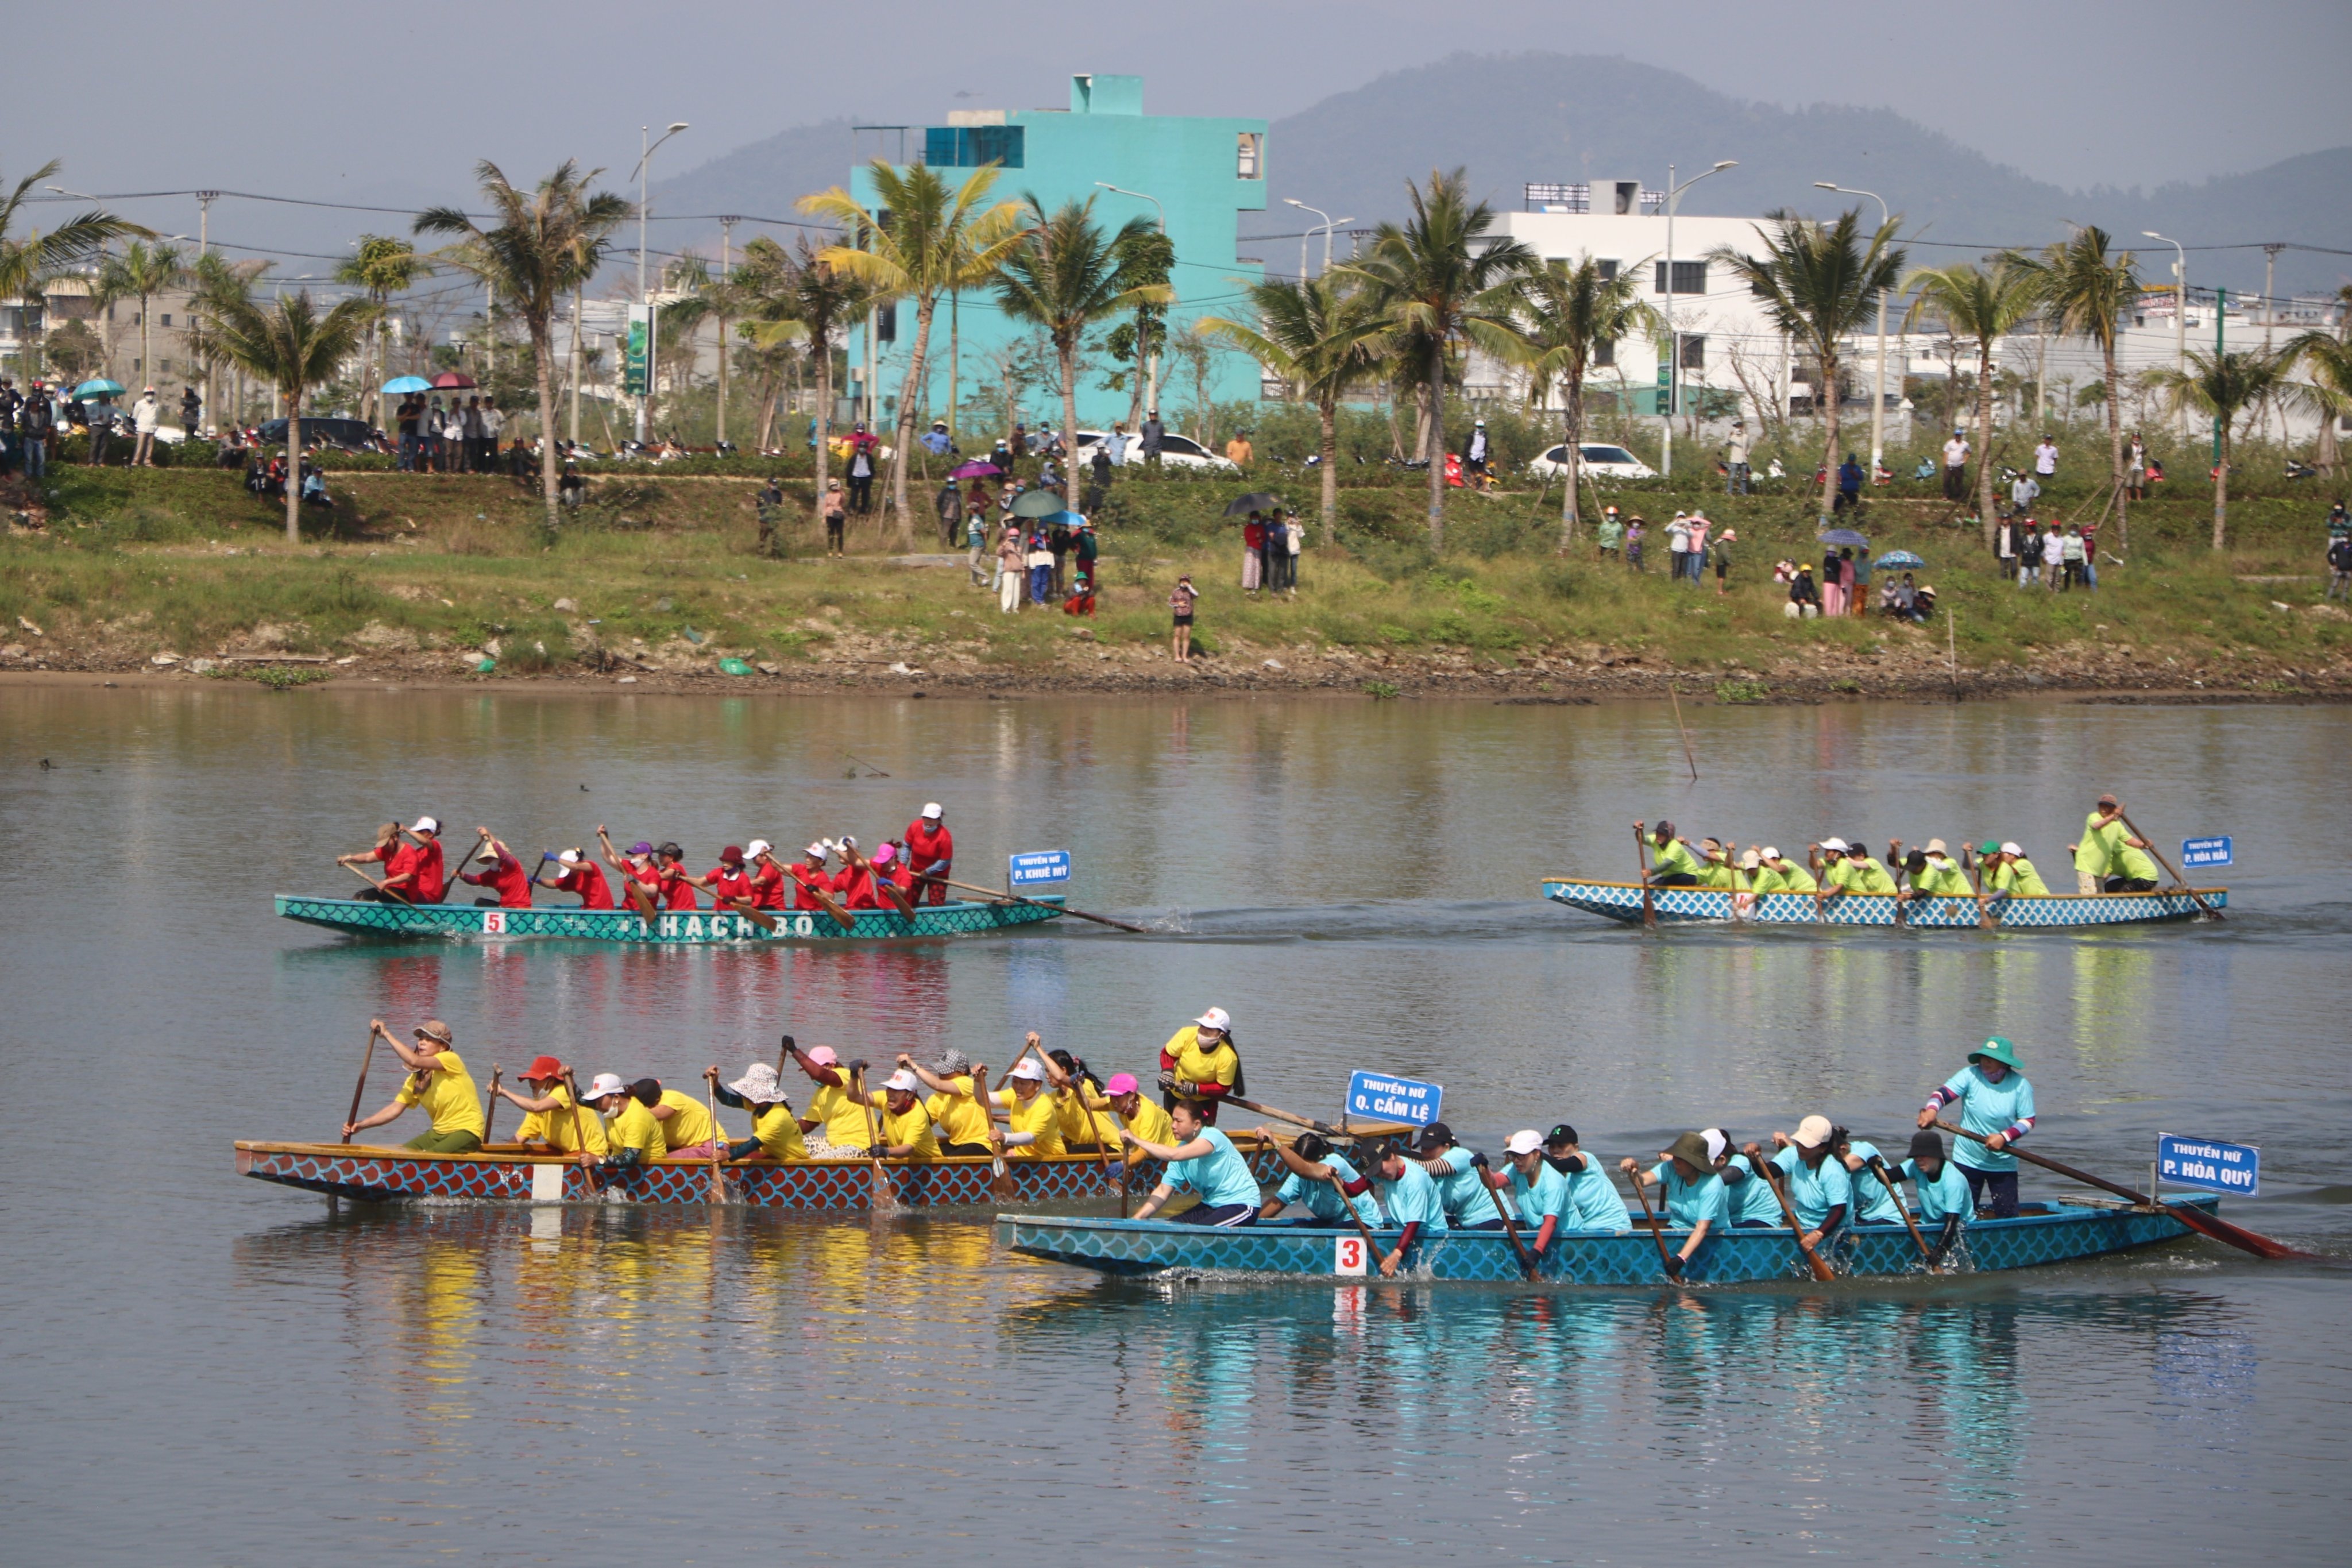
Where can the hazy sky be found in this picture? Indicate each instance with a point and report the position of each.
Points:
(394, 103)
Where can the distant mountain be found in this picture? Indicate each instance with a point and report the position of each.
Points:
(1513, 119)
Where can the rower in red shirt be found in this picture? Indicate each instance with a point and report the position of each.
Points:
(640, 881)
(931, 850)
(892, 871)
(585, 877)
(396, 857)
(729, 883)
(811, 882)
(427, 878)
(677, 883)
(855, 881)
(506, 875)
(767, 877)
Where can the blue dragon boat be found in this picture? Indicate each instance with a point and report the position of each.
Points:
(2076, 1228)
(1622, 901)
(668, 928)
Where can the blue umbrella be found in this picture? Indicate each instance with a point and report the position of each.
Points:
(399, 385)
(1903, 559)
(99, 388)
(1845, 536)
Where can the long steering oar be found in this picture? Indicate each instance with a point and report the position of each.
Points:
(1667, 1260)
(2195, 1218)
(1290, 1116)
(490, 1111)
(1017, 898)
(1649, 898)
(1813, 1260)
(2180, 880)
(359, 1089)
(1926, 1257)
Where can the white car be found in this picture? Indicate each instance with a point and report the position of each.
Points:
(1175, 451)
(1599, 460)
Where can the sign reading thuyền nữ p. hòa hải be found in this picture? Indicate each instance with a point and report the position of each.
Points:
(2206, 851)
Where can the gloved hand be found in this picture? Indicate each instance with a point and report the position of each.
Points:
(1477, 1160)
(860, 1064)
(1673, 1267)
(880, 1152)
(1877, 1163)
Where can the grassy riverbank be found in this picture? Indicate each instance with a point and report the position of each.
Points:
(659, 578)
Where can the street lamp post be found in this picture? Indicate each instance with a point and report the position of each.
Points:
(2179, 316)
(1326, 225)
(644, 172)
(1151, 377)
(1673, 342)
(1878, 392)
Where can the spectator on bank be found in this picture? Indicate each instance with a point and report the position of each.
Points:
(949, 505)
(1154, 434)
(2022, 492)
(100, 416)
(190, 407)
(1180, 603)
(1720, 551)
(1955, 467)
(1609, 534)
(1848, 494)
(1238, 451)
(2339, 566)
(1804, 595)
(2045, 457)
(146, 418)
(1635, 530)
(2054, 557)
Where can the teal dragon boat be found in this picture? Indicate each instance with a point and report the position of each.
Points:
(1622, 901)
(2076, 1228)
(668, 928)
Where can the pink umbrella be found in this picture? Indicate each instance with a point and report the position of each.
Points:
(453, 379)
(975, 470)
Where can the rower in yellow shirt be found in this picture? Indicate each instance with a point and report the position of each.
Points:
(439, 1082)
(1716, 869)
(634, 1139)
(687, 1131)
(1932, 873)
(1852, 869)
(1201, 1063)
(1087, 1125)
(835, 1120)
(1775, 875)
(964, 1130)
(905, 1124)
(775, 1129)
(1033, 1115)
(551, 1121)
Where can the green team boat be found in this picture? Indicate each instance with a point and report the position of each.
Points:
(668, 928)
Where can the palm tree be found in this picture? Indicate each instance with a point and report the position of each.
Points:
(290, 344)
(1439, 281)
(2326, 358)
(1566, 314)
(801, 296)
(1820, 282)
(2223, 387)
(1318, 334)
(382, 267)
(1986, 304)
(925, 241)
(547, 242)
(2088, 290)
(1145, 256)
(1065, 275)
(27, 263)
(216, 279)
(141, 272)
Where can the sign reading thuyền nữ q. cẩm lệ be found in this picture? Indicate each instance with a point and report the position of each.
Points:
(1382, 1098)
(1034, 867)
(2205, 851)
(2209, 1164)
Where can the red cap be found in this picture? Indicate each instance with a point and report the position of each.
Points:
(731, 856)
(542, 1069)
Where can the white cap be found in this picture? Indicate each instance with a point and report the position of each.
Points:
(1935, 847)
(847, 841)
(1812, 1132)
(931, 811)
(1525, 1140)
(902, 1079)
(2012, 849)
(1026, 1069)
(1834, 843)
(425, 824)
(607, 1083)
(818, 850)
(1770, 853)
(1215, 1018)
(757, 847)
(1717, 1143)
(569, 856)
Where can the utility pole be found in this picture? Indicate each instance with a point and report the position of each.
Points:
(726, 261)
(204, 200)
(643, 171)
(1152, 392)
(2179, 316)
(1879, 393)
(2220, 326)
(1673, 342)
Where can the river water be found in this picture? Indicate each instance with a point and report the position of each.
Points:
(204, 1369)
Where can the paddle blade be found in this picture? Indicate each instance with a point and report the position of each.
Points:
(2237, 1236)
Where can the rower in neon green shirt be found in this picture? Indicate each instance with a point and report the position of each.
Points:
(1854, 871)
(2095, 854)
(2008, 871)
(1775, 875)
(1715, 869)
(1672, 864)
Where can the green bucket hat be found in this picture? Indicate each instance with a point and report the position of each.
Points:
(1997, 1049)
(1989, 846)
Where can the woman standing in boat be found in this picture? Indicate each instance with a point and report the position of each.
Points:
(1203, 1161)
(439, 1082)
(1200, 1064)
(1996, 1103)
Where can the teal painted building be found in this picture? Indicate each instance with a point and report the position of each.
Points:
(1205, 174)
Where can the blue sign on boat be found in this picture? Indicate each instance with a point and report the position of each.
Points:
(1379, 1097)
(2205, 851)
(1039, 866)
(2216, 1167)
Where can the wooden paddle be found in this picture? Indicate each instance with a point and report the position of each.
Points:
(2196, 1219)
(360, 1088)
(895, 895)
(2179, 880)
(490, 1111)
(747, 910)
(1348, 1206)
(1077, 1090)
(1649, 898)
(1771, 1173)
(884, 1195)
(1292, 1117)
(1909, 1223)
(717, 1140)
(399, 893)
(840, 918)
(1986, 919)
(1528, 1262)
(449, 878)
(1667, 1260)
(1000, 1185)
(579, 1125)
(1017, 898)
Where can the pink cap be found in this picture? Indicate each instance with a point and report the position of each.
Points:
(885, 854)
(822, 1056)
(1120, 1083)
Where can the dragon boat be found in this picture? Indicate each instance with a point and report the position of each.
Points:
(2072, 1229)
(1622, 901)
(668, 928)
(509, 1174)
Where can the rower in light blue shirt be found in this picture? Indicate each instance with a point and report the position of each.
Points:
(1873, 1204)
(1412, 1198)
(1819, 1188)
(1996, 1105)
(1944, 1200)
(1461, 1184)
(1593, 1202)
(1693, 1194)
(1749, 1194)
(1203, 1161)
(1312, 1166)
(1537, 1192)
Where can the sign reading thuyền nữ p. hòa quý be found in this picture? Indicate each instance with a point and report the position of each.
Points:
(1034, 867)
(2208, 1164)
(1381, 1098)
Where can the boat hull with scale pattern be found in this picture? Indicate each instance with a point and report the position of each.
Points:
(668, 928)
(1622, 901)
(2074, 1230)
(379, 1174)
